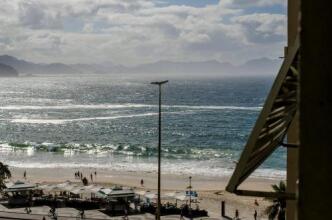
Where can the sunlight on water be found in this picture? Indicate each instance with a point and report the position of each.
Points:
(102, 121)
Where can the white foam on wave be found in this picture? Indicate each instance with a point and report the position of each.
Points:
(11, 92)
(201, 168)
(128, 105)
(62, 121)
(270, 173)
(216, 107)
(168, 168)
(64, 107)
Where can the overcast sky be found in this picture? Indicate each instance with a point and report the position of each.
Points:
(139, 31)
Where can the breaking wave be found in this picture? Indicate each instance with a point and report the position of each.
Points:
(128, 105)
(62, 121)
(171, 152)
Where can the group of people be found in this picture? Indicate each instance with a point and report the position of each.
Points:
(79, 175)
(237, 214)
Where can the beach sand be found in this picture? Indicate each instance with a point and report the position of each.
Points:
(210, 189)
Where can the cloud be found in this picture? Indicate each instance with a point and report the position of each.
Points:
(132, 32)
(88, 27)
(33, 15)
(252, 3)
(262, 28)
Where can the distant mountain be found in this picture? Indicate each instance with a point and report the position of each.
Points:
(23, 66)
(203, 67)
(262, 66)
(103, 68)
(7, 71)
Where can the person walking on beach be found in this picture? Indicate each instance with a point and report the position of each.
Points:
(25, 174)
(255, 215)
(256, 203)
(27, 210)
(85, 181)
(91, 177)
(52, 213)
(125, 217)
(181, 214)
(142, 182)
(237, 215)
(81, 214)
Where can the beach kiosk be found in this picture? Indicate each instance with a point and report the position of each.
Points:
(119, 199)
(20, 193)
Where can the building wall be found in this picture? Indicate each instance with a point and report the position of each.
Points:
(315, 155)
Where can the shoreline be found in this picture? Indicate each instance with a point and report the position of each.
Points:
(211, 190)
(132, 179)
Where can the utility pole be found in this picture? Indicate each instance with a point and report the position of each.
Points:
(160, 83)
(190, 196)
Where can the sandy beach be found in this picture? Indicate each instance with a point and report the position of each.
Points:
(210, 189)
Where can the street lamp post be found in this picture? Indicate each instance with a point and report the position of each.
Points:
(190, 196)
(159, 147)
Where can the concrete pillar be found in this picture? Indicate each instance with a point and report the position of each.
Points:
(315, 153)
(292, 168)
(293, 7)
(293, 132)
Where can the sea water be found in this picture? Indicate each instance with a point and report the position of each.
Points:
(109, 121)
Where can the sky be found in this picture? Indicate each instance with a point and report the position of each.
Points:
(131, 32)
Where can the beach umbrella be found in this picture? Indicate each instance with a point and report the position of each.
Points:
(151, 196)
(91, 186)
(56, 189)
(8, 183)
(47, 187)
(171, 194)
(83, 191)
(141, 193)
(96, 189)
(68, 188)
(154, 196)
(78, 190)
(184, 196)
(100, 195)
(61, 185)
(43, 187)
(106, 191)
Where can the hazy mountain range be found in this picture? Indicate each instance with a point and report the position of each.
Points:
(262, 66)
(7, 71)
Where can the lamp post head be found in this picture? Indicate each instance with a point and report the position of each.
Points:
(159, 82)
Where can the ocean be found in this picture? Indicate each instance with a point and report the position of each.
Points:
(107, 121)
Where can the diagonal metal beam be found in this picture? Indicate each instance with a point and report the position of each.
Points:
(246, 165)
